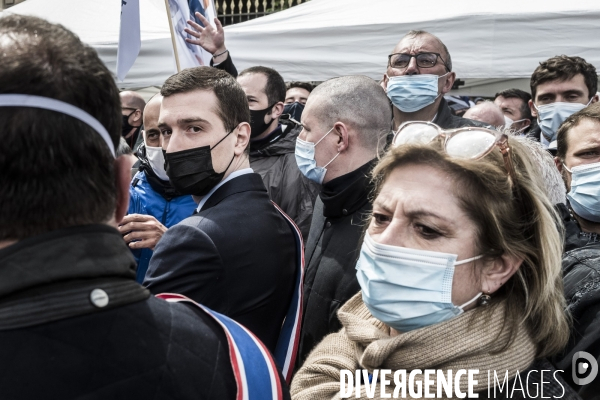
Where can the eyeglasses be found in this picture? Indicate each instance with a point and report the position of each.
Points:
(467, 143)
(424, 60)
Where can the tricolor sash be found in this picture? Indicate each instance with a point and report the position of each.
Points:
(254, 370)
(289, 337)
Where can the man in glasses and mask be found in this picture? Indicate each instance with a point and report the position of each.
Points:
(272, 144)
(132, 106)
(418, 75)
(237, 255)
(154, 204)
(560, 86)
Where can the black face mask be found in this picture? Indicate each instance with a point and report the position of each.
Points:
(295, 110)
(257, 121)
(191, 171)
(127, 127)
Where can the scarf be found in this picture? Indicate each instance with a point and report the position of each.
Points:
(468, 341)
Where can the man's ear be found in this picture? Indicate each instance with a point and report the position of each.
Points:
(138, 115)
(384, 82)
(123, 166)
(559, 164)
(594, 98)
(341, 131)
(532, 108)
(242, 133)
(500, 271)
(277, 110)
(449, 83)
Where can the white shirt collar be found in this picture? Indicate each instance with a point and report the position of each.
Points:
(234, 174)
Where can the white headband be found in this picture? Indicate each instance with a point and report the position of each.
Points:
(46, 103)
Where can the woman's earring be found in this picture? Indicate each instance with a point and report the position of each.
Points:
(484, 299)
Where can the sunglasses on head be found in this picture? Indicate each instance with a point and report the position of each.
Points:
(468, 143)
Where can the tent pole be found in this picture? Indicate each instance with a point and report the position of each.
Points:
(172, 35)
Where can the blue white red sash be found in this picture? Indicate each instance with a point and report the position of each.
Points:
(289, 338)
(254, 370)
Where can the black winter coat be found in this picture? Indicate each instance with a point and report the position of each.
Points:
(56, 344)
(275, 161)
(581, 271)
(331, 253)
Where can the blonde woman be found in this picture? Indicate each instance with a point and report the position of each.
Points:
(460, 269)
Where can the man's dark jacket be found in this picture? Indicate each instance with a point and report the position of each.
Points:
(581, 271)
(275, 161)
(56, 344)
(331, 253)
(446, 120)
(236, 256)
(226, 66)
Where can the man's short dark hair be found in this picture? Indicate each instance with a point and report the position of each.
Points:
(231, 99)
(57, 172)
(302, 85)
(518, 94)
(563, 68)
(275, 87)
(562, 145)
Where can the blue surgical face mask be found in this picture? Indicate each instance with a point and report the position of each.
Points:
(407, 289)
(305, 158)
(584, 196)
(551, 116)
(410, 93)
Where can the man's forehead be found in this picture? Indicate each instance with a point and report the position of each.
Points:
(514, 102)
(418, 44)
(562, 85)
(584, 135)
(254, 81)
(181, 105)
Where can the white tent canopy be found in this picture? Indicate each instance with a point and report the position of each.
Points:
(494, 45)
(97, 24)
(489, 41)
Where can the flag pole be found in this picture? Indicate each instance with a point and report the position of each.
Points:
(172, 35)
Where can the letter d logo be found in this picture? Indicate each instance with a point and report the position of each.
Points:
(583, 363)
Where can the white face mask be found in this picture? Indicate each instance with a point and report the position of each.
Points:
(408, 289)
(156, 158)
(551, 116)
(508, 122)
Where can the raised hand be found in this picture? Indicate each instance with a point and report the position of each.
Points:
(211, 39)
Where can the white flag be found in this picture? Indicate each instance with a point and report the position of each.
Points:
(130, 41)
(189, 55)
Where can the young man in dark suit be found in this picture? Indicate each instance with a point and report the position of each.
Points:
(237, 254)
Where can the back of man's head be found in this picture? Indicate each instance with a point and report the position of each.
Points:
(357, 101)
(57, 171)
(131, 99)
(486, 112)
(591, 112)
(275, 88)
(563, 68)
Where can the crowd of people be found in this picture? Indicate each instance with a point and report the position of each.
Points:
(235, 237)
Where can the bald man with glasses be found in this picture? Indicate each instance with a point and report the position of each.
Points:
(418, 75)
